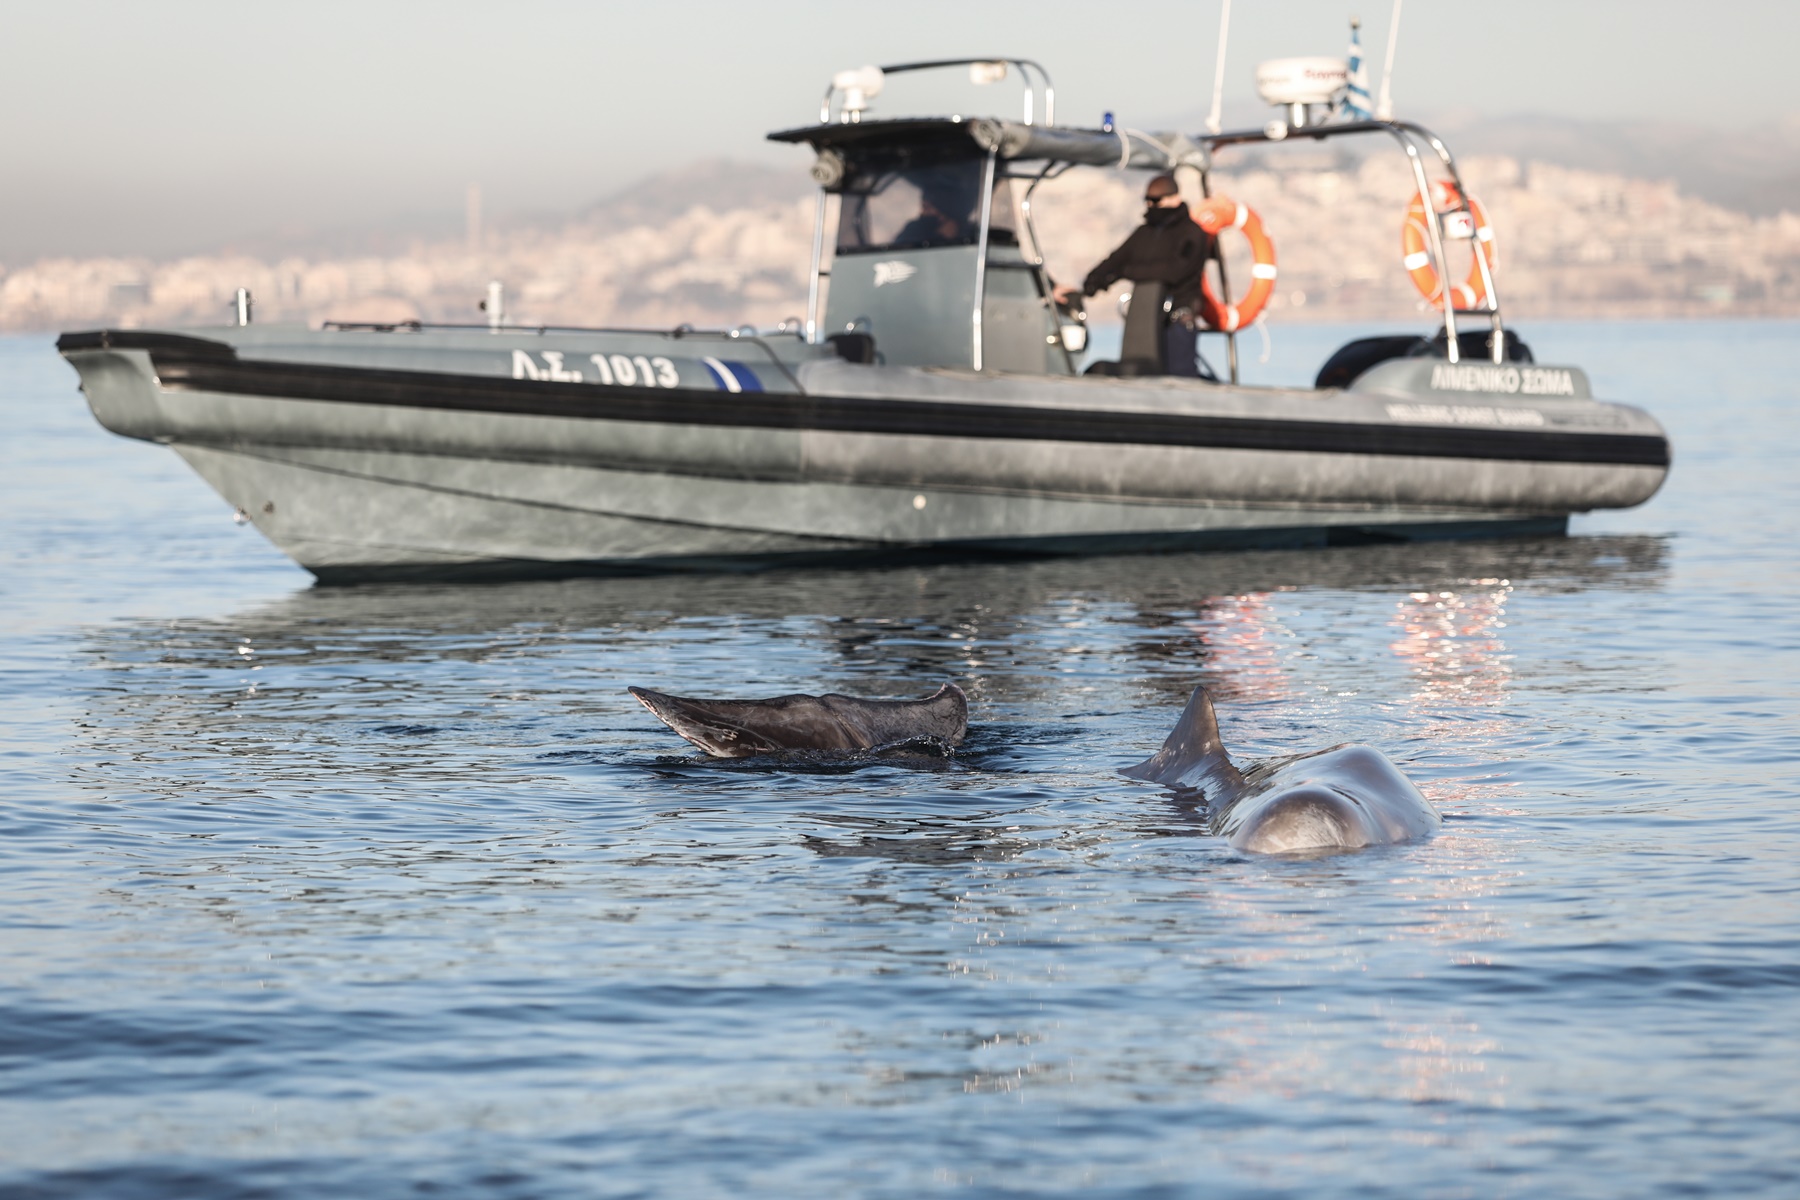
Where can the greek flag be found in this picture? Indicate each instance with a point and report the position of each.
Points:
(1355, 104)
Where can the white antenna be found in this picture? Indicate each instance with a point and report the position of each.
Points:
(495, 305)
(1212, 121)
(1384, 107)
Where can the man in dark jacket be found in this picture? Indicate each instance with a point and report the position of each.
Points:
(1168, 248)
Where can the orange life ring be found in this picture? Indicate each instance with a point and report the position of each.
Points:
(1415, 241)
(1215, 215)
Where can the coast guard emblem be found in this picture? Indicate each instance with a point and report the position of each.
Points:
(893, 271)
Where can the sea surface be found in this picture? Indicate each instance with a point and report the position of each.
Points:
(394, 891)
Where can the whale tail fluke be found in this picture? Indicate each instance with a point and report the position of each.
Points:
(722, 728)
(1193, 756)
(832, 723)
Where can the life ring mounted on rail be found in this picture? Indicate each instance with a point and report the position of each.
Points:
(1215, 215)
(1415, 242)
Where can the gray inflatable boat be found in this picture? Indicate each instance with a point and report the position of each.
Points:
(929, 402)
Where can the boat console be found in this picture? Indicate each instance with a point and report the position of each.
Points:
(944, 206)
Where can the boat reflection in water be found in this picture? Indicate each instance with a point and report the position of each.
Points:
(1145, 625)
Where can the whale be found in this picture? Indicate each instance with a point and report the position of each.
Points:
(830, 723)
(1344, 798)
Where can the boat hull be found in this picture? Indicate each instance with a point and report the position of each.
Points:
(354, 517)
(365, 472)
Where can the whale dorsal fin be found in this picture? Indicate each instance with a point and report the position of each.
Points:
(1192, 756)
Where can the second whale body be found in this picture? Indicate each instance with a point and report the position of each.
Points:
(1344, 798)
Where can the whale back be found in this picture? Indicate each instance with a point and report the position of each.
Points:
(845, 724)
(1343, 798)
(1193, 756)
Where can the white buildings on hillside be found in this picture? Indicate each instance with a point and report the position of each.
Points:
(1572, 243)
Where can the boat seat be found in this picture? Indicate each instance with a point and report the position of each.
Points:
(1475, 345)
(854, 347)
(1141, 350)
(1352, 359)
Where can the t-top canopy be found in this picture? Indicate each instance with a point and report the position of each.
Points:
(1007, 140)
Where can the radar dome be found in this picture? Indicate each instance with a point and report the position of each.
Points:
(1288, 81)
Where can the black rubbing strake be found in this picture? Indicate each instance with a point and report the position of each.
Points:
(180, 367)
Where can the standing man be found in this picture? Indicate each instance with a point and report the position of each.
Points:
(1168, 248)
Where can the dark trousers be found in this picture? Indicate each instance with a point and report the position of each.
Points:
(1181, 350)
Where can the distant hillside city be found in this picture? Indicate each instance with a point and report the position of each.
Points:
(1572, 243)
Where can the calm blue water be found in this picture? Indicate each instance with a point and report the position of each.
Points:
(388, 891)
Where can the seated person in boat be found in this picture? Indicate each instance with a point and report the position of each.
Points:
(942, 221)
(1170, 249)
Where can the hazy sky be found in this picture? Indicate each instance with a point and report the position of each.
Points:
(161, 127)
